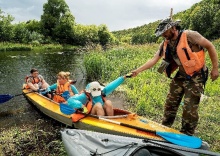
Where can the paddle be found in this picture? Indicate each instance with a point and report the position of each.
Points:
(178, 139)
(6, 97)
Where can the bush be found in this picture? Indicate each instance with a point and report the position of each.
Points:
(95, 66)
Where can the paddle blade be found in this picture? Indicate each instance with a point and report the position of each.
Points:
(5, 98)
(65, 109)
(181, 139)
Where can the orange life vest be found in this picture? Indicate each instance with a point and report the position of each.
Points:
(192, 62)
(34, 81)
(60, 90)
(77, 116)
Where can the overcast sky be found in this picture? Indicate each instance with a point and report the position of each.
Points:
(116, 14)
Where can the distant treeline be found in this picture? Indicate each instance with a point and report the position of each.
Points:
(57, 25)
(203, 17)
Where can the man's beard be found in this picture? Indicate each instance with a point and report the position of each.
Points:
(171, 35)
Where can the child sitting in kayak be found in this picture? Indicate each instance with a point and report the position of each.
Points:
(96, 93)
(63, 88)
(35, 81)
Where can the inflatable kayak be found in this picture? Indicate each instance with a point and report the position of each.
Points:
(87, 143)
(124, 123)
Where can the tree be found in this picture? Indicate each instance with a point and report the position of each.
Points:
(6, 28)
(23, 35)
(105, 36)
(20, 33)
(33, 26)
(216, 19)
(202, 19)
(63, 32)
(57, 19)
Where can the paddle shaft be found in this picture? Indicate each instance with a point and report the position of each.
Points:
(123, 124)
(24, 93)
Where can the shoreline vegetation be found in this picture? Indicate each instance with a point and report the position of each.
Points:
(6, 46)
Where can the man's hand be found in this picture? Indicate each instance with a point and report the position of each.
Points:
(214, 74)
(135, 73)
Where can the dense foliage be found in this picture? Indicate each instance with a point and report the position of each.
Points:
(203, 17)
(6, 28)
(57, 25)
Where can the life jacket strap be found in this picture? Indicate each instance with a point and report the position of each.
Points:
(205, 76)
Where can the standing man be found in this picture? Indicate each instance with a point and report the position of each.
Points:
(183, 50)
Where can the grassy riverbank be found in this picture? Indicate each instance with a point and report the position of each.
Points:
(146, 93)
(35, 139)
(5, 46)
(25, 131)
(38, 136)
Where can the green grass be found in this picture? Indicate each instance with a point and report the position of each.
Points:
(147, 92)
(32, 140)
(5, 46)
(14, 47)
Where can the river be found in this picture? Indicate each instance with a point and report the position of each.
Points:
(14, 66)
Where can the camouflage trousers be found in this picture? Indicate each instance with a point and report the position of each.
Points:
(191, 89)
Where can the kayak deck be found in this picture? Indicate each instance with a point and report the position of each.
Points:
(48, 107)
(90, 123)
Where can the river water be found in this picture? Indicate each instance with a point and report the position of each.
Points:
(14, 66)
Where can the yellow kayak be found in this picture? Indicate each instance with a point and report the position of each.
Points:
(52, 109)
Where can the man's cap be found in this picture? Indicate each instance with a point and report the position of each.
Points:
(164, 25)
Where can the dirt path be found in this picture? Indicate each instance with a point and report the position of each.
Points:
(118, 100)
